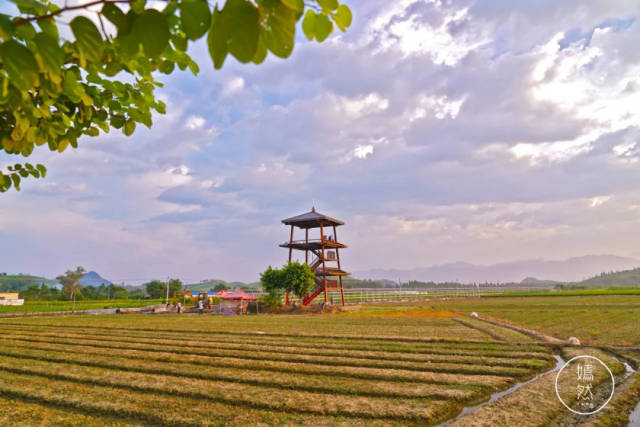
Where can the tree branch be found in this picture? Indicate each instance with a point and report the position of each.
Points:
(60, 11)
(106, 36)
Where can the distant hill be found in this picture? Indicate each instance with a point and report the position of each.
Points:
(19, 282)
(205, 285)
(537, 282)
(617, 278)
(353, 282)
(568, 270)
(92, 278)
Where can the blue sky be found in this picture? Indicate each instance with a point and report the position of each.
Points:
(439, 131)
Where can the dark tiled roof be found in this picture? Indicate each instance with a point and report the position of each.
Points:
(311, 219)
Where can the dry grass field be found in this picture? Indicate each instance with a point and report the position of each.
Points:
(383, 364)
(595, 320)
(206, 370)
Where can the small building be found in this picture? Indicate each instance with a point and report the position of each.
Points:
(10, 298)
(235, 302)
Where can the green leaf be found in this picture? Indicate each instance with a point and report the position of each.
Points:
(7, 181)
(49, 26)
(309, 24)
(117, 17)
(261, 51)
(243, 28)
(6, 27)
(322, 27)
(295, 5)
(93, 131)
(129, 127)
(42, 169)
(138, 5)
(20, 64)
(51, 55)
(62, 145)
(152, 30)
(16, 181)
(30, 7)
(117, 121)
(328, 5)
(279, 27)
(24, 31)
(217, 38)
(343, 17)
(161, 107)
(166, 67)
(88, 38)
(196, 18)
(179, 41)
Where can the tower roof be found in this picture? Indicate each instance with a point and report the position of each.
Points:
(311, 219)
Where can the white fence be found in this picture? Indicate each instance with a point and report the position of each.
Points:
(359, 295)
(11, 302)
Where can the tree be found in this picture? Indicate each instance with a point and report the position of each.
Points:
(272, 282)
(175, 285)
(298, 278)
(271, 279)
(220, 287)
(70, 286)
(157, 289)
(54, 91)
(117, 292)
(295, 278)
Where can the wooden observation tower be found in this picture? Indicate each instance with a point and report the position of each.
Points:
(325, 252)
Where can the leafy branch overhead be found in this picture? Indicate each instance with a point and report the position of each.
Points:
(54, 91)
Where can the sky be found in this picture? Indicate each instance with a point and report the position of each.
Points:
(438, 131)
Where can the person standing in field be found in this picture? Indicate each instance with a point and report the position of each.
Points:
(201, 307)
(179, 306)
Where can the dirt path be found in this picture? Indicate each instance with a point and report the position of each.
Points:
(529, 332)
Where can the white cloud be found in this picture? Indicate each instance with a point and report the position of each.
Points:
(553, 152)
(438, 106)
(426, 31)
(597, 201)
(363, 105)
(362, 151)
(593, 82)
(212, 183)
(233, 86)
(195, 122)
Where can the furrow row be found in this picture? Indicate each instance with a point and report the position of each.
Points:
(488, 349)
(290, 353)
(215, 355)
(144, 403)
(213, 368)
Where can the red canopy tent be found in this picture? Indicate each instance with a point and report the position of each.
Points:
(238, 295)
(220, 293)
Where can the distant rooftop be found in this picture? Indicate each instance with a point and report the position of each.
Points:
(312, 219)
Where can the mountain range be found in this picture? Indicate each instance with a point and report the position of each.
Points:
(567, 270)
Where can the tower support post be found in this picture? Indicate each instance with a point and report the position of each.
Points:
(324, 265)
(286, 296)
(335, 237)
(306, 241)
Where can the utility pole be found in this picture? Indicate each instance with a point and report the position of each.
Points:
(167, 300)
